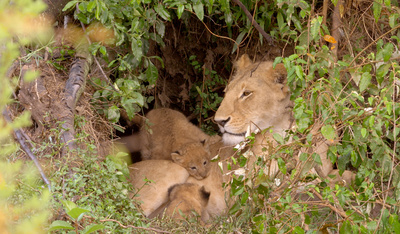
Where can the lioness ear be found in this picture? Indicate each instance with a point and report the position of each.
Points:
(280, 74)
(243, 62)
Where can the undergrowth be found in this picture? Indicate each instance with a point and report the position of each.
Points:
(354, 93)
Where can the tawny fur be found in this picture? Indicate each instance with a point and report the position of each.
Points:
(258, 98)
(162, 175)
(186, 198)
(168, 135)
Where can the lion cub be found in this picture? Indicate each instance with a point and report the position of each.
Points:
(183, 199)
(170, 136)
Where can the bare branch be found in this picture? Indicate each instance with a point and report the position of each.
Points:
(22, 141)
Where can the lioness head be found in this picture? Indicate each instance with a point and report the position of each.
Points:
(195, 158)
(257, 97)
(186, 198)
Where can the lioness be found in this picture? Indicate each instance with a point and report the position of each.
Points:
(258, 98)
(172, 137)
(184, 199)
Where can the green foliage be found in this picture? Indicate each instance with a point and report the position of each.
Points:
(356, 99)
(76, 214)
(210, 100)
(100, 191)
(24, 202)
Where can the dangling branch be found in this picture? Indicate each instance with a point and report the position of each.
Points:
(22, 141)
(254, 23)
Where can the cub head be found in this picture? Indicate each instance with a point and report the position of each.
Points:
(186, 198)
(257, 97)
(195, 158)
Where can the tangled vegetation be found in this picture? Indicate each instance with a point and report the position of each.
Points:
(343, 69)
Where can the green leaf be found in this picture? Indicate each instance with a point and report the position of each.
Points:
(69, 5)
(281, 165)
(161, 11)
(346, 227)
(316, 158)
(151, 74)
(68, 205)
(160, 26)
(281, 23)
(299, 72)
(58, 225)
(138, 98)
(129, 105)
(363, 132)
(103, 50)
(180, 10)
(278, 137)
(77, 212)
(377, 8)
(136, 46)
(113, 114)
(365, 81)
(315, 28)
(90, 6)
(372, 225)
(382, 71)
(239, 40)
(328, 132)
(387, 52)
(393, 20)
(93, 228)
(303, 157)
(298, 230)
(199, 10)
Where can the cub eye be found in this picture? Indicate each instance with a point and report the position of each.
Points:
(205, 163)
(246, 93)
(193, 168)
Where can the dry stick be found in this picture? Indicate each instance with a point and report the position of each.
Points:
(338, 211)
(19, 135)
(130, 226)
(254, 23)
(336, 24)
(325, 11)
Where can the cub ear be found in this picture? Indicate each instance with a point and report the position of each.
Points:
(177, 156)
(280, 74)
(243, 62)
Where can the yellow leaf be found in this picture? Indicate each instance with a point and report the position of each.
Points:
(330, 39)
(341, 10)
(333, 47)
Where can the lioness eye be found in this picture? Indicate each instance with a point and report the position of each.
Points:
(193, 168)
(205, 162)
(246, 93)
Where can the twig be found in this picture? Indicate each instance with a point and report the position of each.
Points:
(130, 226)
(254, 23)
(338, 211)
(19, 134)
(373, 42)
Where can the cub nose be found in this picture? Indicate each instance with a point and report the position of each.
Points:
(222, 122)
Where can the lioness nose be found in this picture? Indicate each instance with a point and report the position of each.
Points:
(223, 122)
